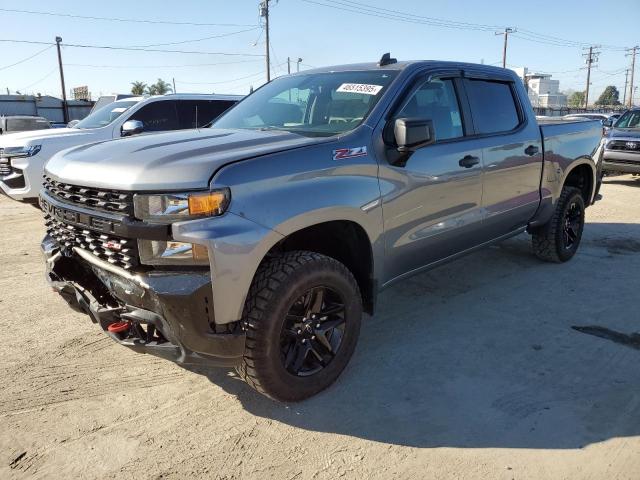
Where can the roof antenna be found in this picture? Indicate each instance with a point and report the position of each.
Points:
(386, 60)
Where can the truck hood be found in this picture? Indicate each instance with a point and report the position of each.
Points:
(624, 133)
(184, 159)
(34, 137)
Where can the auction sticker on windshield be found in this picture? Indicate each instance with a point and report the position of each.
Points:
(359, 88)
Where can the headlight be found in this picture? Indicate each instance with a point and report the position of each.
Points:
(176, 207)
(153, 252)
(16, 152)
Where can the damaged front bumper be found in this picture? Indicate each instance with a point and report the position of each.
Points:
(168, 314)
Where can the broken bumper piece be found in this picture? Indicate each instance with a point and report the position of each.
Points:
(168, 314)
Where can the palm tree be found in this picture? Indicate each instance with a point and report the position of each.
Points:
(159, 88)
(137, 88)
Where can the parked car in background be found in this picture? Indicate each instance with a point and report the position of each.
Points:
(601, 117)
(258, 243)
(22, 123)
(107, 99)
(23, 155)
(622, 144)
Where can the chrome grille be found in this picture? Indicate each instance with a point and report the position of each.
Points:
(622, 145)
(105, 200)
(5, 168)
(121, 252)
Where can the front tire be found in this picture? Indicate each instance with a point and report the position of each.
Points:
(558, 240)
(302, 320)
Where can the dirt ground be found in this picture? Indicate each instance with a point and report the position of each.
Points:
(469, 371)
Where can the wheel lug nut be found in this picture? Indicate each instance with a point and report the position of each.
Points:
(304, 340)
(299, 332)
(317, 325)
(313, 337)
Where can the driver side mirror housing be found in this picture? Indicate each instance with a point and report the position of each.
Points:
(607, 123)
(132, 127)
(413, 133)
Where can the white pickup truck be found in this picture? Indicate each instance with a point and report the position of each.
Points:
(23, 155)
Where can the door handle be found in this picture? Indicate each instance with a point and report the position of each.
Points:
(469, 161)
(531, 150)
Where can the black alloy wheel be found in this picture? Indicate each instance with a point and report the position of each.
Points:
(573, 221)
(312, 331)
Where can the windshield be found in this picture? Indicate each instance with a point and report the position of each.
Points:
(315, 105)
(630, 119)
(106, 114)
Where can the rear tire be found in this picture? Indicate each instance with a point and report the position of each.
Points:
(302, 320)
(558, 240)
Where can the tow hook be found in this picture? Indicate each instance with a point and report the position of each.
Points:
(119, 327)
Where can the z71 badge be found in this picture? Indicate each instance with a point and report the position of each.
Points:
(344, 153)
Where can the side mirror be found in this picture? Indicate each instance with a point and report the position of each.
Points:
(132, 127)
(413, 133)
(607, 123)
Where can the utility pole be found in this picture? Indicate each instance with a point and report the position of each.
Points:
(65, 111)
(506, 33)
(591, 59)
(633, 51)
(264, 12)
(298, 64)
(626, 82)
(173, 80)
(288, 65)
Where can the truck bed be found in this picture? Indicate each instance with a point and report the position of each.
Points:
(570, 139)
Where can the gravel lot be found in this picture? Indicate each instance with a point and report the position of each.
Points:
(469, 371)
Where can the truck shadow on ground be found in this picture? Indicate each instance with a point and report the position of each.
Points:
(481, 353)
(622, 180)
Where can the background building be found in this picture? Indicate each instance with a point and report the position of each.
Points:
(542, 90)
(43, 106)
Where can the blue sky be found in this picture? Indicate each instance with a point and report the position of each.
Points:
(321, 35)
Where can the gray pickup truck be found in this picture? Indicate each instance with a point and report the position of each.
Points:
(259, 242)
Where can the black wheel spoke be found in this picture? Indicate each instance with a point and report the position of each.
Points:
(314, 301)
(323, 343)
(328, 325)
(333, 309)
(302, 351)
(310, 341)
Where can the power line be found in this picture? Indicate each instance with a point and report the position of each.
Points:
(194, 40)
(389, 14)
(189, 65)
(28, 58)
(40, 80)
(134, 49)
(131, 20)
(222, 81)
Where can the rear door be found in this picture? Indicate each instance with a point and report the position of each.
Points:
(157, 116)
(431, 201)
(198, 113)
(511, 151)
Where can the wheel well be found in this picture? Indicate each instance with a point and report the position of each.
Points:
(581, 177)
(343, 240)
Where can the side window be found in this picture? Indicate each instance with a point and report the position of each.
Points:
(436, 100)
(157, 116)
(208, 110)
(492, 106)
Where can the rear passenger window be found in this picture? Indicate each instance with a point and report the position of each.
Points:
(493, 107)
(436, 100)
(207, 111)
(157, 116)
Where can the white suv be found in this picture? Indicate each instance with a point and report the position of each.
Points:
(23, 155)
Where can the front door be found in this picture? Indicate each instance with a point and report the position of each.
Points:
(431, 202)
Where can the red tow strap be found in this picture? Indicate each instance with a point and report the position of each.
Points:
(119, 327)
